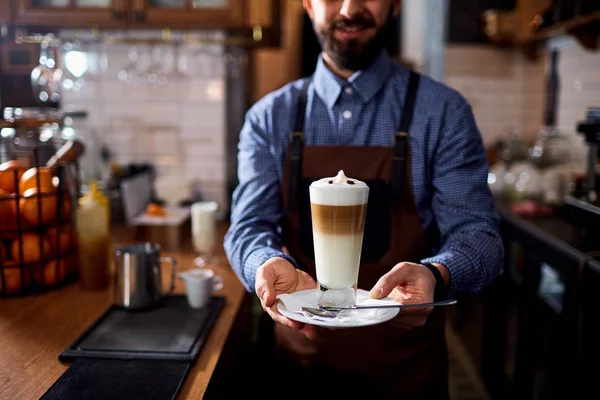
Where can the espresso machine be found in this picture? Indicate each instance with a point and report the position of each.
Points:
(582, 206)
(590, 128)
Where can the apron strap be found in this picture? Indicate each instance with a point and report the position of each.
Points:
(401, 141)
(295, 148)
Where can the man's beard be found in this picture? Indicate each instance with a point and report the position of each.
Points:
(352, 55)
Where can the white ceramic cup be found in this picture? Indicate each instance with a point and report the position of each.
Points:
(200, 285)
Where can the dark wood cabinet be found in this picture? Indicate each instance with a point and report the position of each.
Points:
(72, 13)
(203, 13)
(175, 14)
(188, 13)
(526, 12)
(540, 20)
(466, 22)
(5, 11)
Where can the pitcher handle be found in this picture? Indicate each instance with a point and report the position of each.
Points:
(173, 262)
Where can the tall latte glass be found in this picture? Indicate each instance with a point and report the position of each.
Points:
(338, 207)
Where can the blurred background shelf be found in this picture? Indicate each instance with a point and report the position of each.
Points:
(585, 29)
(529, 24)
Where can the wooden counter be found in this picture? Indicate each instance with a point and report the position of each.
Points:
(35, 329)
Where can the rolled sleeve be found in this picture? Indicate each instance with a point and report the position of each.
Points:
(254, 235)
(471, 247)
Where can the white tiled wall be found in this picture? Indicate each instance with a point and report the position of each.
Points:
(507, 91)
(580, 86)
(179, 127)
(504, 89)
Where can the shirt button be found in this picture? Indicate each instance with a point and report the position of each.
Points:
(347, 114)
(348, 90)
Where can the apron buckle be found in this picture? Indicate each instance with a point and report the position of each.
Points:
(299, 135)
(401, 135)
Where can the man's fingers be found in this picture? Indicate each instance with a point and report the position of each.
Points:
(408, 322)
(416, 311)
(309, 331)
(413, 321)
(277, 317)
(382, 288)
(402, 325)
(388, 282)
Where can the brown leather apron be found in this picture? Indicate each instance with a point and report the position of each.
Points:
(390, 360)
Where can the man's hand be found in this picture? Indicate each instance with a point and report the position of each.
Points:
(407, 283)
(278, 276)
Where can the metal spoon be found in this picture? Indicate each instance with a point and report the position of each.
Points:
(332, 312)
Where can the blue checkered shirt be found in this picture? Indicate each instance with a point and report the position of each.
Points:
(449, 167)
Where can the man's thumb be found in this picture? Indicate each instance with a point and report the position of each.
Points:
(266, 295)
(267, 298)
(383, 287)
(264, 288)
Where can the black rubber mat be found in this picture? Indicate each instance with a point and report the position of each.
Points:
(173, 331)
(91, 379)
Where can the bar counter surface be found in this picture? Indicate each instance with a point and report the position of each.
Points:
(562, 233)
(35, 329)
(555, 330)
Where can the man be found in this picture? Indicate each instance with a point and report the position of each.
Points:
(431, 226)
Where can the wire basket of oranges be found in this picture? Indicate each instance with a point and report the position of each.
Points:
(38, 246)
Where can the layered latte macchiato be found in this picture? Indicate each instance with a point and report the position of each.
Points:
(338, 207)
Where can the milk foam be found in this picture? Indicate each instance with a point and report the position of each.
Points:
(339, 191)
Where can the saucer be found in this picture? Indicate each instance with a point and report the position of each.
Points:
(345, 319)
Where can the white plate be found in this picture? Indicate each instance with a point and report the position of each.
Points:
(346, 319)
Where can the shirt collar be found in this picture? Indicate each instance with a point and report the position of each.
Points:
(365, 82)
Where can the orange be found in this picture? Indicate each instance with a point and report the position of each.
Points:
(31, 248)
(66, 207)
(29, 206)
(50, 273)
(8, 216)
(47, 177)
(7, 175)
(155, 210)
(65, 238)
(5, 255)
(13, 281)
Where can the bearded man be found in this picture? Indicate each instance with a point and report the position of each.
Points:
(431, 231)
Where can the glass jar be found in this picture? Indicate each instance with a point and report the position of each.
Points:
(550, 149)
(513, 149)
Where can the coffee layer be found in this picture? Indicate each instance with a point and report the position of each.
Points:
(338, 220)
